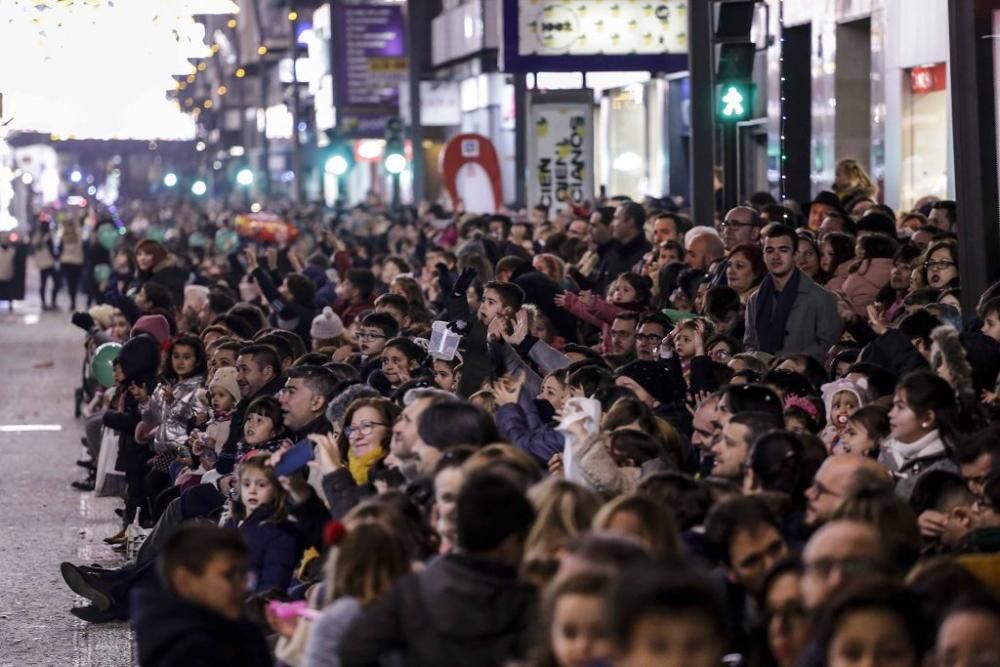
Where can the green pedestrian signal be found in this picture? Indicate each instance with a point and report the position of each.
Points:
(734, 102)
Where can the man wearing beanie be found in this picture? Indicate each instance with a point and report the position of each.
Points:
(326, 328)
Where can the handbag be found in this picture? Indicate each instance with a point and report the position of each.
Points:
(108, 481)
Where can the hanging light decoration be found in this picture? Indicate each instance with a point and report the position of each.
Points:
(65, 51)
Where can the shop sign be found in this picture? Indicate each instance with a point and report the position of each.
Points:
(560, 148)
(369, 65)
(595, 35)
(928, 79)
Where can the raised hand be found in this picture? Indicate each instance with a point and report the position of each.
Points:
(520, 332)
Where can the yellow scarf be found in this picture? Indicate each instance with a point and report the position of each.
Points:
(360, 465)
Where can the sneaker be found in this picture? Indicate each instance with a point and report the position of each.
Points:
(86, 585)
(83, 485)
(91, 614)
(116, 539)
(86, 463)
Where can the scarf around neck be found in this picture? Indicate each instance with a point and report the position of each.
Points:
(773, 309)
(359, 466)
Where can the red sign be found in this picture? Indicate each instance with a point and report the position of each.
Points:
(459, 154)
(928, 79)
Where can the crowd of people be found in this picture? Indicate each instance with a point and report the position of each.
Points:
(767, 441)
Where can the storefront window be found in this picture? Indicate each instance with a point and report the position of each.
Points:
(925, 134)
(627, 159)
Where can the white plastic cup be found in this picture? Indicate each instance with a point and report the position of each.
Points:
(444, 342)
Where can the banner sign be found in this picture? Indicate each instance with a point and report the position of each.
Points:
(595, 35)
(369, 64)
(560, 148)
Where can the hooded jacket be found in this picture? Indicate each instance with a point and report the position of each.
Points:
(171, 632)
(460, 610)
(908, 463)
(275, 549)
(863, 285)
(169, 275)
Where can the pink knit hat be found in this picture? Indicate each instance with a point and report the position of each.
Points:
(156, 326)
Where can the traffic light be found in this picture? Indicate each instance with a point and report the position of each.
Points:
(735, 54)
(734, 101)
(394, 158)
(338, 156)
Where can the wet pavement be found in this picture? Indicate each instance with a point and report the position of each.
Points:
(43, 521)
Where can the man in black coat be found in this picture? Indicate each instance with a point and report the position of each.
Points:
(629, 244)
(466, 608)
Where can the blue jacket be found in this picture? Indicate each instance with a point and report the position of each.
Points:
(519, 422)
(275, 549)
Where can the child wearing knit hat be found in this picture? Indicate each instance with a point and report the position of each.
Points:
(841, 398)
(326, 329)
(223, 394)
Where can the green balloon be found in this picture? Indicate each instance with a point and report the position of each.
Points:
(226, 240)
(102, 272)
(102, 365)
(107, 236)
(197, 240)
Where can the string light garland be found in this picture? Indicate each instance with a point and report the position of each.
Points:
(782, 155)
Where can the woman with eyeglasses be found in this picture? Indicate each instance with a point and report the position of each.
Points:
(939, 268)
(785, 619)
(358, 453)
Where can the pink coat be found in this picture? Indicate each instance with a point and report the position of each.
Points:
(836, 283)
(862, 286)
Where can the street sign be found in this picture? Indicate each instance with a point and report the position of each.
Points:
(734, 102)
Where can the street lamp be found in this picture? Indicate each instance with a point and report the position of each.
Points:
(245, 177)
(395, 163)
(170, 179)
(337, 165)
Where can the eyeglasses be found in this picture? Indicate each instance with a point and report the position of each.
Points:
(849, 567)
(364, 428)
(792, 610)
(822, 490)
(648, 338)
(940, 265)
(735, 223)
(370, 335)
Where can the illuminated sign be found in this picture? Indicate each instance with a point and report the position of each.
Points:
(602, 27)
(734, 102)
(595, 35)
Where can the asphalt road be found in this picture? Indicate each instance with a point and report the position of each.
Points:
(43, 521)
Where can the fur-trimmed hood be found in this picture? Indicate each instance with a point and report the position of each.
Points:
(947, 350)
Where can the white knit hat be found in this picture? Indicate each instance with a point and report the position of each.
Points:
(225, 377)
(326, 325)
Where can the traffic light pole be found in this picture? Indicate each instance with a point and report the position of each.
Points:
(418, 28)
(970, 24)
(730, 166)
(702, 113)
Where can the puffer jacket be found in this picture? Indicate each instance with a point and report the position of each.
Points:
(932, 454)
(864, 283)
(836, 282)
(172, 419)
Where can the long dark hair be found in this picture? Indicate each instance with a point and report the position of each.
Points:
(200, 357)
(927, 393)
(843, 249)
